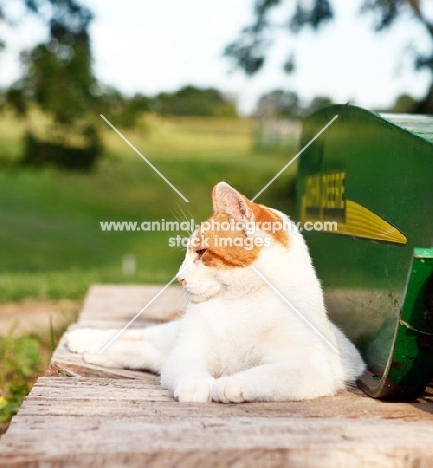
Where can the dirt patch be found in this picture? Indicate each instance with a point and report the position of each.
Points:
(34, 316)
(3, 427)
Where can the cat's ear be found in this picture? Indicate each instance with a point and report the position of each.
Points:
(228, 200)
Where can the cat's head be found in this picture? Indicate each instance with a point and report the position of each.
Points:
(231, 240)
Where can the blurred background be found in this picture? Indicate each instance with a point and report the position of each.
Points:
(207, 91)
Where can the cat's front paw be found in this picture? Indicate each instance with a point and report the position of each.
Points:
(119, 355)
(101, 359)
(194, 390)
(78, 340)
(231, 390)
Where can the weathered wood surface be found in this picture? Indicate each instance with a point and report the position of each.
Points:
(114, 418)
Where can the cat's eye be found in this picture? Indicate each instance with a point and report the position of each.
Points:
(200, 253)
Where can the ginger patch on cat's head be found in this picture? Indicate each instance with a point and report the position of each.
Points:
(222, 241)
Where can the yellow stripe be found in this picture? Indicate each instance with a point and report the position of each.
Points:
(327, 192)
(361, 222)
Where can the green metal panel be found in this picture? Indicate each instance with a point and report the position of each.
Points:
(409, 365)
(373, 176)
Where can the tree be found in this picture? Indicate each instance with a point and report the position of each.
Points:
(404, 104)
(248, 52)
(317, 103)
(278, 103)
(58, 76)
(121, 111)
(197, 102)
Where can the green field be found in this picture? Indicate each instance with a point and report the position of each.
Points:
(51, 243)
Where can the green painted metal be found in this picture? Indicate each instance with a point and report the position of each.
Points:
(410, 363)
(373, 176)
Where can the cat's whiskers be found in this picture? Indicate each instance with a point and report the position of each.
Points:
(191, 217)
(181, 216)
(176, 215)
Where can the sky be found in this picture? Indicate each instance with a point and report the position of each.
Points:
(150, 46)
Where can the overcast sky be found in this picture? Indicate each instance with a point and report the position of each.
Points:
(160, 45)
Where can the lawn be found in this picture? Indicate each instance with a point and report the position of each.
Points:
(51, 243)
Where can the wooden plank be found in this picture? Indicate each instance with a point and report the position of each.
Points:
(51, 397)
(309, 442)
(86, 407)
(121, 303)
(113, 418)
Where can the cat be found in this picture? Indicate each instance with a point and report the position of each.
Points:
(255, 327)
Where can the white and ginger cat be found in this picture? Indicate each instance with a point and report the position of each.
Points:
(238, 340)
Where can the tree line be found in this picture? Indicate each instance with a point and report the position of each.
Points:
(123, 110)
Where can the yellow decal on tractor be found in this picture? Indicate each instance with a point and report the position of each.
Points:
(324, 200)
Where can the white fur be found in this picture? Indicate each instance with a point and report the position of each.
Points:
(238, 340)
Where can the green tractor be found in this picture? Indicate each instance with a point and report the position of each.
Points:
(365, 190)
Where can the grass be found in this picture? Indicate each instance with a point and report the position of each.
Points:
(23, 357)
(22, 361)
(51, 244)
